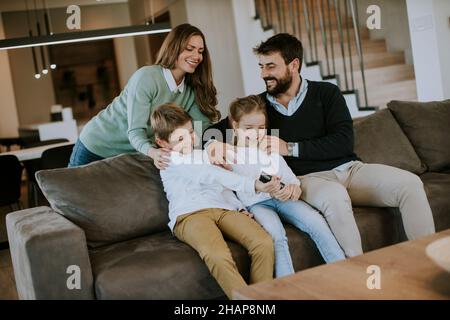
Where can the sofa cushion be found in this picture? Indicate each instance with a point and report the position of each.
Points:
(161, 267)
(437, 187)
(112, 200)
(427, 127)
(379, 139)
(156, 267)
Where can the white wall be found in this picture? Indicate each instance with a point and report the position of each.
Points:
(249, 35)
(430, 37)
(215, 19)
(9, 121)
(442, 18)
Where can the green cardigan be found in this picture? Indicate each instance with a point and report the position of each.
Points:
(124, 126)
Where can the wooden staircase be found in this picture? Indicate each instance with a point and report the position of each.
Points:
(387, 75)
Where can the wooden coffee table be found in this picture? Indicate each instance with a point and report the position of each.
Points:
(406, 272)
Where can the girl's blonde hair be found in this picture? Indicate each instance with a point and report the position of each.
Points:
(247, 105)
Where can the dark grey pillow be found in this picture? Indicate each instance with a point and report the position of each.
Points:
(112, 200)
(379, 139)
(427, 126)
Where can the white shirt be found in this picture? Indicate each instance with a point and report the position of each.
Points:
(294, 104)
(251, 162)
(192, 183)
(173, 87)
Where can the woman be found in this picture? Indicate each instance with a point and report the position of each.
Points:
(182, 75)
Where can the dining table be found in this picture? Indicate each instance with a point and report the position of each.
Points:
(34, 153)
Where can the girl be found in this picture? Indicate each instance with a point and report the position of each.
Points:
(248, 121)
(182, 75)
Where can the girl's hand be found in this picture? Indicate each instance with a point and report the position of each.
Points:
(219, 154)
(289, 192)
(160, 156)
(269, 187)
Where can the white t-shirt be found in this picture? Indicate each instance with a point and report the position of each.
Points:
(192, 183)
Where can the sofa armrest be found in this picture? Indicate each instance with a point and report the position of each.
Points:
(43, 246)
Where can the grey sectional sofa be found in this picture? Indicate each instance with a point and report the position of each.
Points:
(107, 224)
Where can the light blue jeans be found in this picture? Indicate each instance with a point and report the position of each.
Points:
(302, 216)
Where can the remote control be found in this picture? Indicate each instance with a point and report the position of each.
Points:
(264, 177)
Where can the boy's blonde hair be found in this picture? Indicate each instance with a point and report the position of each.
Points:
(166, 118)
(246, 105)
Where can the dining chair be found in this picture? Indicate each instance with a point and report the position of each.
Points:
(53, 158)
(10, 183)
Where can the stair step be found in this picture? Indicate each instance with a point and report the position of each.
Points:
(371, 60)
(368, 46)
(364, 33)
(386, 75)
(381, 95)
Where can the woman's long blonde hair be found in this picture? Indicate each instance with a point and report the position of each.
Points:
(201, 81)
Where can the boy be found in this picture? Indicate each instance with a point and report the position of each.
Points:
(202, 207)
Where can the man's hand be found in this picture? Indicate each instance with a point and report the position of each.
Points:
(219, 154)
(270, 187)
(289, 192)
(160, 157)
(272, 144)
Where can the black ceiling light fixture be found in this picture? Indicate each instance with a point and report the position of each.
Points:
(37, 74)
(38, 28)
(49, 30)
(149, 27)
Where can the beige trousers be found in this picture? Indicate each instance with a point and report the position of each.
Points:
(205, 230)
(334, 192)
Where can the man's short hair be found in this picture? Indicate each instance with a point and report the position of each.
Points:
(287, 45)
(166, 118)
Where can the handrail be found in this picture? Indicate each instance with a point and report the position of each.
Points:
(354, 11)
(313, 21)
(349, 46)
(341, 40)
(330, 28)
(323, 31)
(308, 28)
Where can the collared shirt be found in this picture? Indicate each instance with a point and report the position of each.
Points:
(293, 106)
(173, 87)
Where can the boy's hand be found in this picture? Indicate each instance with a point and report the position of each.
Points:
(219, 155)
(160, 157)
(269, 187)
(248, 214)
(289, 192)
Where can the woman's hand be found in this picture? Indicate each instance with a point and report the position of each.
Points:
(289, 192)
(221, 154)
(269, 187)
(160, 156)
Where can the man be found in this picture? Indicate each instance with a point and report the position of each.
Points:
(316, 138)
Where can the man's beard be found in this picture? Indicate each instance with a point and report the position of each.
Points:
(282, 85)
